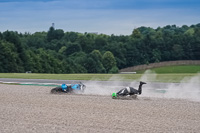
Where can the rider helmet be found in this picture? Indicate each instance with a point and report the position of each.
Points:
(114, 95)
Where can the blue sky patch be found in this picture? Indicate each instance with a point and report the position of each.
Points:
(102, 16)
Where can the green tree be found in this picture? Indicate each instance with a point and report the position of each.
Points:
(33, 63)
(119, 51)
(54, 34)
(72, 48)
(62, 49)
(37, 40)
(96, 55)
(50, 34)
(97, 61)
(156, 55)
(71, 36)
(100, 42)
(85, 43)
(177, 51)
(9, 58)
(1, 36)
(90, 65)
(108, 61)
(78, 62)
(136, 34)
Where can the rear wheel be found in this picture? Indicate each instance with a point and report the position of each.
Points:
(57, 90)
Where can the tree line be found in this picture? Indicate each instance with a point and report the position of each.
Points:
(56, 51)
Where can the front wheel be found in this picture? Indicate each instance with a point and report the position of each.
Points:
(82, 88)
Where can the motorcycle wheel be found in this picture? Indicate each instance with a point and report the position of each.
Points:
(57, 90)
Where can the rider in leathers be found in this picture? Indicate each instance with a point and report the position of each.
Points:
(131, 90)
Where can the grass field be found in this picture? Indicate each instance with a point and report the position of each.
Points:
(162, 74)
(175, 69)
(103, 77)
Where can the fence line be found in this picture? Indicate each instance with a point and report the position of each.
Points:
(161, 64)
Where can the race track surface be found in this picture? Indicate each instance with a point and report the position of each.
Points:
(34, 109)
(52, 81)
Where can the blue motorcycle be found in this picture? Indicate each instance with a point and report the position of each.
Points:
(73, 88)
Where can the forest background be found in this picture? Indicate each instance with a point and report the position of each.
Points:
(57, 51)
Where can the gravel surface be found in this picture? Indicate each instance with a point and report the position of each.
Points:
(31, 109)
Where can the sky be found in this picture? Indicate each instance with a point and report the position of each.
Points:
(118, 17)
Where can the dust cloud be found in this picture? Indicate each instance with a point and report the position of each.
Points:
(101, 88)
(188, 88)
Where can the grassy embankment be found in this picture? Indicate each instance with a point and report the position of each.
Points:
(175, 69)
(163, 74)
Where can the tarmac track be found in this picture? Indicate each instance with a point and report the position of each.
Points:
(58, 82)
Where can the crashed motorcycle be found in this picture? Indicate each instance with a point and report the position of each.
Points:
(128, 92)
(72, 88)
